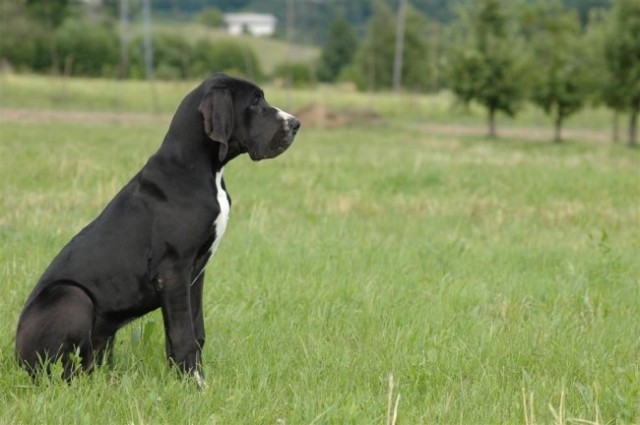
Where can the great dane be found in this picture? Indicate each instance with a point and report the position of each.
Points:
(149, 247)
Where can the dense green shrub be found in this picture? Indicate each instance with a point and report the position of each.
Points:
(175, 58)
(171, 57)
(297, 74)
(338, 51)
(225, 55)
(19, 43)
(90, 49)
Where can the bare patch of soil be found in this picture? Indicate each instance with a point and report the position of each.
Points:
(52, 115)
(318, 115)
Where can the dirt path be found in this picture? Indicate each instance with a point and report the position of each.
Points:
(90, 117)
(540, 134)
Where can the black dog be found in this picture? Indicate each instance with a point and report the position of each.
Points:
(149, 246)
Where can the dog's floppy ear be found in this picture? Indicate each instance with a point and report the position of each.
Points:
(216, 108)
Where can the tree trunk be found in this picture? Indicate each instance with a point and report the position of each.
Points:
(633, 128)
(616, 126)
(492, 123)
(557, 136)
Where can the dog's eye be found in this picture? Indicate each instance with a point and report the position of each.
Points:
(256, 101)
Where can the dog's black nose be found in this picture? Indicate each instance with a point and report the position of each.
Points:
(295, 125)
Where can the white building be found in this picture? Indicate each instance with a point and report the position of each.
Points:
(256, 24)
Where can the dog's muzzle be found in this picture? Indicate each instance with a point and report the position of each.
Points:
(290, 128)
(281, 139)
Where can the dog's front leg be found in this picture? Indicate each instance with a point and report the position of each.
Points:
(198, 325)
(196, 310)
(182, 347)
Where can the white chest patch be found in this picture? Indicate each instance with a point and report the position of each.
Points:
(220, 223)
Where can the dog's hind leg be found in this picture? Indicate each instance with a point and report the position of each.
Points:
(57, 324)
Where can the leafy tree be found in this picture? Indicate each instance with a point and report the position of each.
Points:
(338, 51)
(51, 13)
(600, 86)
(416, 70)
(297, 74)
(372, 64)
(485, 64)
(560, 83)
(230, 56)
(622, 59)
(372, 67)
(90, 49)
(19, 37)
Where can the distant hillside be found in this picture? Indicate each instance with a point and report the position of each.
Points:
(311, 18)
(270, 51)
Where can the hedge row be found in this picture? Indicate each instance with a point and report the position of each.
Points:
(83, 48)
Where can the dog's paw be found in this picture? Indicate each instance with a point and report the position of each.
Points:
(202, 385)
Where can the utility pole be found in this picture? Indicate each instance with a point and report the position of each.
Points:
(148, 44)
(148, 51)
(290, 35)
(290, 30)
(397, 59)
(124, 38)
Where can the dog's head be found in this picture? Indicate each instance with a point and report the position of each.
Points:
(235, 112)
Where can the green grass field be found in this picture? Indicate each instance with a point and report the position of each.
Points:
(498, 282)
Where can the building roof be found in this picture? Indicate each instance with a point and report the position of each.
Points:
(250, 18)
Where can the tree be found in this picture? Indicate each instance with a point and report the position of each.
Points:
(87, 48)
(599, 77)
(560, 81)
(51, 13)
(486, 64)
(338, 52)
(622, 59)
(372, 66)
(416, 69)
(375, 56)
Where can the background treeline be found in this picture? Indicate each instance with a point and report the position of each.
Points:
(313, 17)
(559, 55)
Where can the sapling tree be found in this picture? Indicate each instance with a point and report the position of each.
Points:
(622, 60)
(487, 64)
(560, 83)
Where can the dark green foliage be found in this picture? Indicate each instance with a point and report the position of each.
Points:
(338, 51)
(295, 74)
(416, 72)
(50, 13)
(622, 59)
(486, 64)
(373, 60)
(560, 82)
(372, 66)
(171, 56)
(224, 55)
(175, 58)
(19, 40)
(87, 48)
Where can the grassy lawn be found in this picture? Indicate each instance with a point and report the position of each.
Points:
(496, 281)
